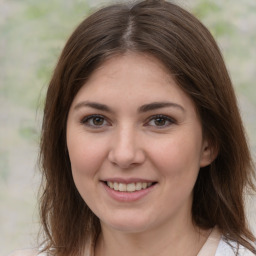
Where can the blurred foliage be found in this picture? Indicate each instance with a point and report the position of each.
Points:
(29, 132)
(233, 24)
(4, 168)
(33, 34)
(207, 8)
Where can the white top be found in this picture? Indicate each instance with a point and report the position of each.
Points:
(214, 246)
(226, 249)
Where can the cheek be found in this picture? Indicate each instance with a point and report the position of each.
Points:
(178, 161)
(86, 160)
(174, 154)
(178, 165)
(86, 154)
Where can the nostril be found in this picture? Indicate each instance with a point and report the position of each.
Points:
(126, 158)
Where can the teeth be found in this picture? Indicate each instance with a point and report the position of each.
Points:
(110, 184)
(131, 187)
(116, 186)
(122, 187)
(138, 186)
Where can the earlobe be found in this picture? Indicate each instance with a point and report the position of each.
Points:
(208, 155)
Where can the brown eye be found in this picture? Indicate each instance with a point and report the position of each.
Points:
(160, 121)
(95, 121)
(98, 121)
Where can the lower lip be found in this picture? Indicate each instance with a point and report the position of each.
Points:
(128, 196)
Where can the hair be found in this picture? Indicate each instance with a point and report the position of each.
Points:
(187, 49)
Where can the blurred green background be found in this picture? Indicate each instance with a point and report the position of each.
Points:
(32, 34)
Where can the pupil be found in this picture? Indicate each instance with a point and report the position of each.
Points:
(160, 121)
(98, 121)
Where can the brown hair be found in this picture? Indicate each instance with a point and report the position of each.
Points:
(189, 52)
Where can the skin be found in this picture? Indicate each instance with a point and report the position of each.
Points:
(126, 141)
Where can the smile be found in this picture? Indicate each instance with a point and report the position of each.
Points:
(130, 187)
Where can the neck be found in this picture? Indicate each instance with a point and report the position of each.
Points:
(179, 239)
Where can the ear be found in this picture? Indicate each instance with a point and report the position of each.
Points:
(208, 154)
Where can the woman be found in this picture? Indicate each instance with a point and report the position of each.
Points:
(143, 147)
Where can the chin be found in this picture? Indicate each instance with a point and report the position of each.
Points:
(128, 225)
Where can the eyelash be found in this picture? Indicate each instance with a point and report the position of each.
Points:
(164, 118)
(86, 121)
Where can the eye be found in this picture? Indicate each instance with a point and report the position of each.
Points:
(95, 121)
(160, 121)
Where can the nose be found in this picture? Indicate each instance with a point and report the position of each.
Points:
(126, 149)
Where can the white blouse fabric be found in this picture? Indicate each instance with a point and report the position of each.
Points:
(215, 245)
(225, 249)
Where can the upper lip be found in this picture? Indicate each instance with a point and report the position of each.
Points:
(128, 180)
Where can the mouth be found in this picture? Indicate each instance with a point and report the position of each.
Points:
(129, 187)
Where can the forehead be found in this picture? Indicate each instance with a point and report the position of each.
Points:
(125, 63)
(132, 77)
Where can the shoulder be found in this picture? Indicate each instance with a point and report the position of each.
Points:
(228, 248)
(26, 252)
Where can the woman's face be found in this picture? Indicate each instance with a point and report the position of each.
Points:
(135, 145)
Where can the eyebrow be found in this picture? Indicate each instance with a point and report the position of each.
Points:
(157, 105)
(95, 105)
(142, 109)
